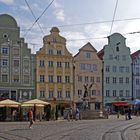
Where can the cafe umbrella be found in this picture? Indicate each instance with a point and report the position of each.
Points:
(8, 104)
(34, 103)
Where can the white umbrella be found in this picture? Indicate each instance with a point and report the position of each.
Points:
(9, 103)
(35, 102)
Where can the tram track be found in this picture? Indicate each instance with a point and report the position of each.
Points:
(116, 129)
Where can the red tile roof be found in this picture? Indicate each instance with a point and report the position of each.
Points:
(135, 54)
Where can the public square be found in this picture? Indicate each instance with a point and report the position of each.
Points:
(100, 129)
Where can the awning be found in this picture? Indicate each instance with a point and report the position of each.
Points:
(120, 103)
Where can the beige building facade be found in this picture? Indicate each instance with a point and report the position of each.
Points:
(88, 74)
(54, 70)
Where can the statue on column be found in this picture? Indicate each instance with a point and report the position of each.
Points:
(85, 100)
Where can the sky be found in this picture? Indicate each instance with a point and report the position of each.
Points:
(79, 21)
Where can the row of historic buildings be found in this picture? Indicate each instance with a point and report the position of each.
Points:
(54, 75)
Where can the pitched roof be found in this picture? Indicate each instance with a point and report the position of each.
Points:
(85, 48)
(135, 54)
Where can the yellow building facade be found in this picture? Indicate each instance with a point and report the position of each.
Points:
(54, 70)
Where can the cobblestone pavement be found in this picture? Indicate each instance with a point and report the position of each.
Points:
(103, 129)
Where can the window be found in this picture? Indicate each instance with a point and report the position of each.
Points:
(114, 69)
(4, 62)
(120, 80)
(107, 68)
(82, 66)
(88, 55)
(50, 94)
(137, 81)
(50, 52)
(79, 92)
(121, 69)
(114, 80)
(138, 93)
(59, 94)
(127, 69)
(59, 52)
(127, 93)
(89, 67)
(59, 79)
(16, 78)
(67, 94)
(67, 64)
(127, 80)
(42, 94)
(107, 80)
(79, 78)
(59, 64)
(137, 71)
(4, 78)
(67, 79)
(50, 78)
(86, 78)
(93, 93)
(13, 95)
(107, 93)
(26, 63)
(42, 78)
(114, 93)
(26, 79)
(117, 57)
(4, 94)
(94, 67)
(16, 63)
(41, 63)
(117, 49)
(16, 52)
(5, 51)
(92, 79)
(50, 64)
(121, 93)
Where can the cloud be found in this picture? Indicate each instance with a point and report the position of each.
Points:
(24, 8)
(7, 2)
(58, 11)
(73, 42)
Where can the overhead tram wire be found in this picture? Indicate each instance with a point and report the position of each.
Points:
(29, 29)
(113, 17)
(112, 26)
(34, 16)
(89, 23)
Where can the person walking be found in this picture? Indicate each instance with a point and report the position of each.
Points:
(77, 115)
(14, 113)
(30, 117)
(129, 113)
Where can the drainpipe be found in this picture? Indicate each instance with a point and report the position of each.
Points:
(132, 98)
(103, 85)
